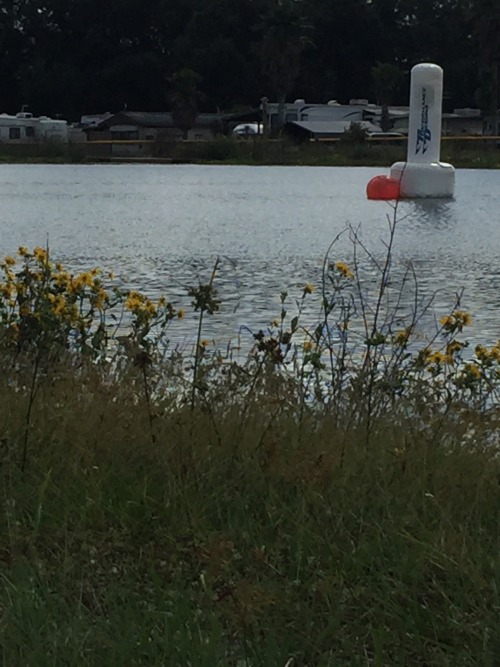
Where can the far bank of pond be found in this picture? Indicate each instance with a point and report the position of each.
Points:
(468, 153)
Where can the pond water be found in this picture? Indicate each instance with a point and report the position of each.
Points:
(161, 227)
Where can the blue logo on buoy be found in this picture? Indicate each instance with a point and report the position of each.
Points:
(424, 135)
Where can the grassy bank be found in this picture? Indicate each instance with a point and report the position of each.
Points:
(234, 541)
(332, 499)
(41, 153)
(462, 154)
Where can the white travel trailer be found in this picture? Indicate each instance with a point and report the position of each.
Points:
(356, 111)
(26, 128)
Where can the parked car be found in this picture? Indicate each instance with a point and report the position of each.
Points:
(248, 129)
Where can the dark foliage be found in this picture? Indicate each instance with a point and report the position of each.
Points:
(73, 56)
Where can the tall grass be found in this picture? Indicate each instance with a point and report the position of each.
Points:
(45, 151)
(228, 150)
(331, 500)
(257, 151)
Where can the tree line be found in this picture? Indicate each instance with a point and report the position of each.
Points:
(71, 57)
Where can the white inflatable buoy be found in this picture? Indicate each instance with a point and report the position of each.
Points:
(423, 175)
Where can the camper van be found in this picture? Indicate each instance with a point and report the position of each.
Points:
(26, 128)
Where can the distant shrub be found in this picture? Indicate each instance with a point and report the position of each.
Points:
(356, 134)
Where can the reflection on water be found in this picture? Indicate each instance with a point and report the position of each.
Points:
(161, 227)
(423, 213)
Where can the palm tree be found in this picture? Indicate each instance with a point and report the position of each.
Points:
(184, 99)
(387, 80)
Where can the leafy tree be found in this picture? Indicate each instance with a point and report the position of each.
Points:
(217, 41)
(75, 56)
(486, 24)
(284, 34)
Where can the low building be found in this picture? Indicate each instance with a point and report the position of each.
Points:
(152, 126)
(137, 130)
(325, 129)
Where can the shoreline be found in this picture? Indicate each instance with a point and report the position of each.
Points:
(479, 164)
(462, 154)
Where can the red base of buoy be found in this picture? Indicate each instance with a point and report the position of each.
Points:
(382, 188)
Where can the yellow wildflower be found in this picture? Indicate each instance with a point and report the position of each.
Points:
(100, 298)
(134, 301)
(22, 251)
(401, 337)
(59, 304)
(86, 279)
(6, 289)
(63, 279)
(474, 370)
(463, 318)
(482, 353)
(162, 302)
(180, 313)
(149, 307)
(40, 254)
(438, 357)
(344, 269)
(9, 260)
(495, 352)
(275, 323)
(454, 347)
(204, 343)
(309, 288)
(308, 345)
(456, 321)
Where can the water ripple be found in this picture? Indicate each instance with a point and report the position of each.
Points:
(161, 227)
